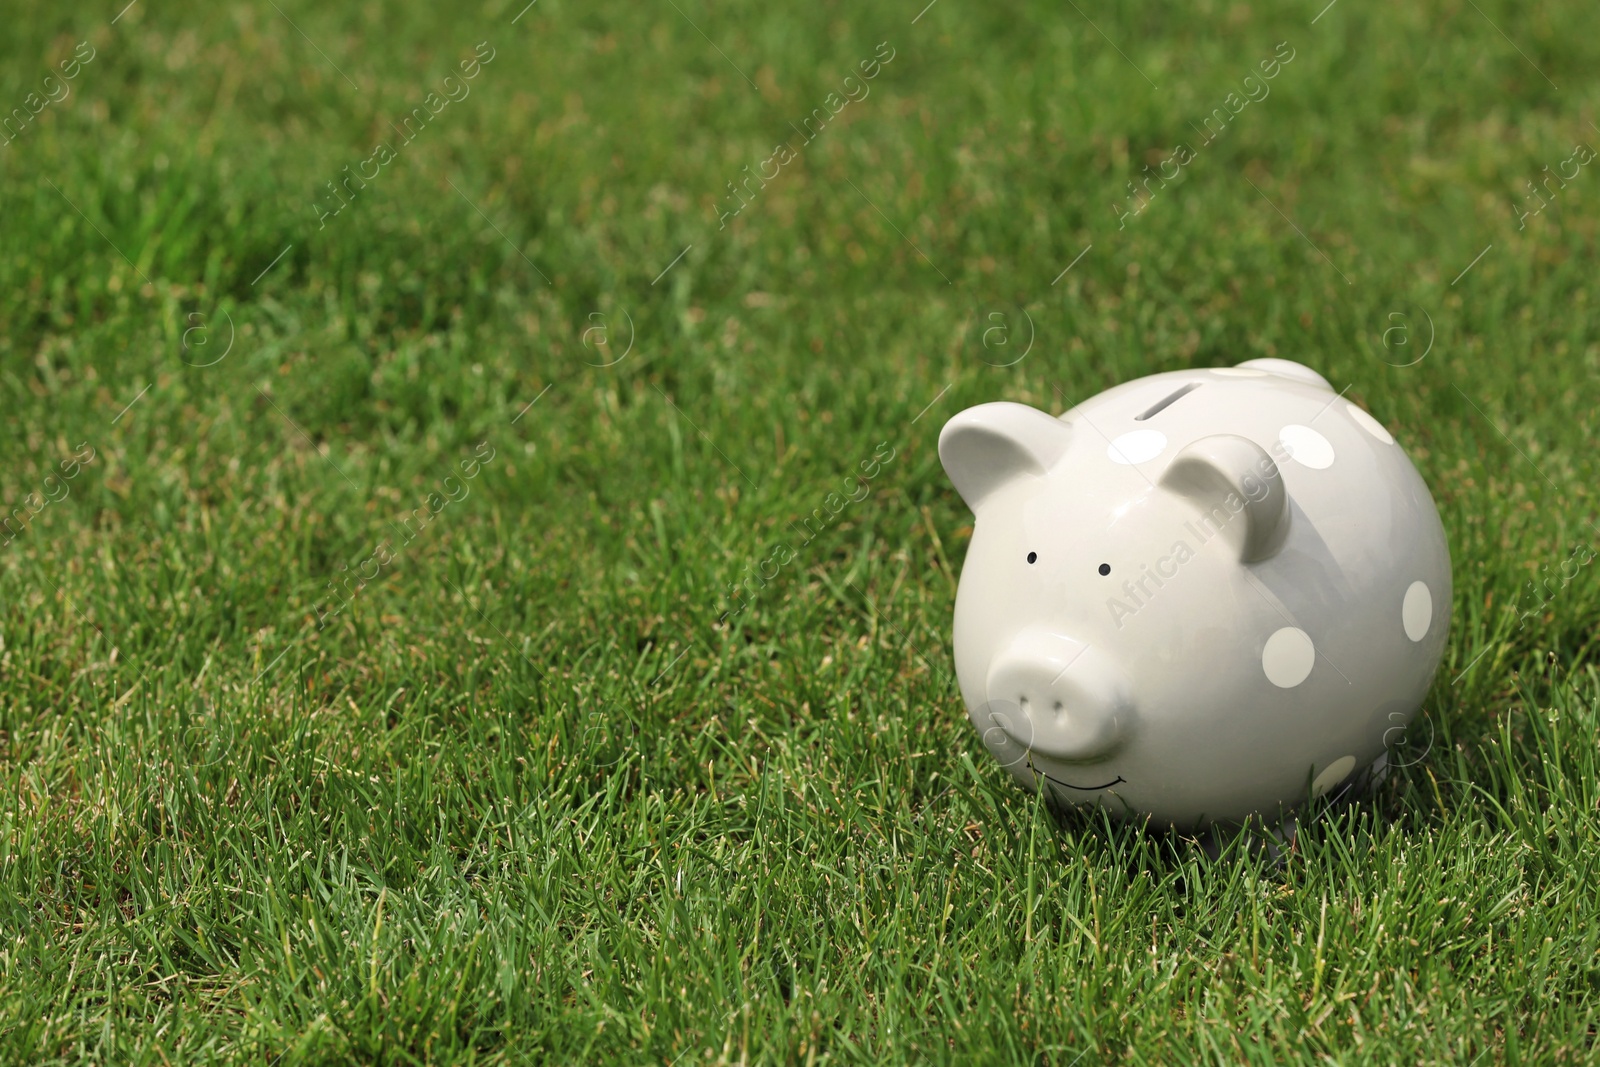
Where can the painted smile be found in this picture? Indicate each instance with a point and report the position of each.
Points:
(1080, 788)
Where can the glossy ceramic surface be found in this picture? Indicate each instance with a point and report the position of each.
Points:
(1198, 596)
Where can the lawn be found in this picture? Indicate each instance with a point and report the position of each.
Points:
(414, 647)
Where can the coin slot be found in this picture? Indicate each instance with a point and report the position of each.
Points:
(1161, 405)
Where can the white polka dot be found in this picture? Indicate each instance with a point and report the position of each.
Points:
(1416, 611)
(1236, 372)
(1288, 368)
(1307, 447)
(1288, 657)
(1137, 446)
(1332, 775)
(1370, 424)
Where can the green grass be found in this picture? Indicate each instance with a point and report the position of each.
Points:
(524, 798)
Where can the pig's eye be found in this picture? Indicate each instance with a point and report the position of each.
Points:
(1105, 568)
(1033, 557)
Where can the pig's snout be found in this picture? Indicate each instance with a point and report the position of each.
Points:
(1058, 696)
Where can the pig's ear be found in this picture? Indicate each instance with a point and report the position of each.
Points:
(1239, 489)
(985, 447)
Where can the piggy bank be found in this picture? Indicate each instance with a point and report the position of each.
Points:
(1201, 597)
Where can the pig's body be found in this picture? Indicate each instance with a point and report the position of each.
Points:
(1235, 600)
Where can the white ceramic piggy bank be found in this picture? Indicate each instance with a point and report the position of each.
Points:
(1200, 596)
